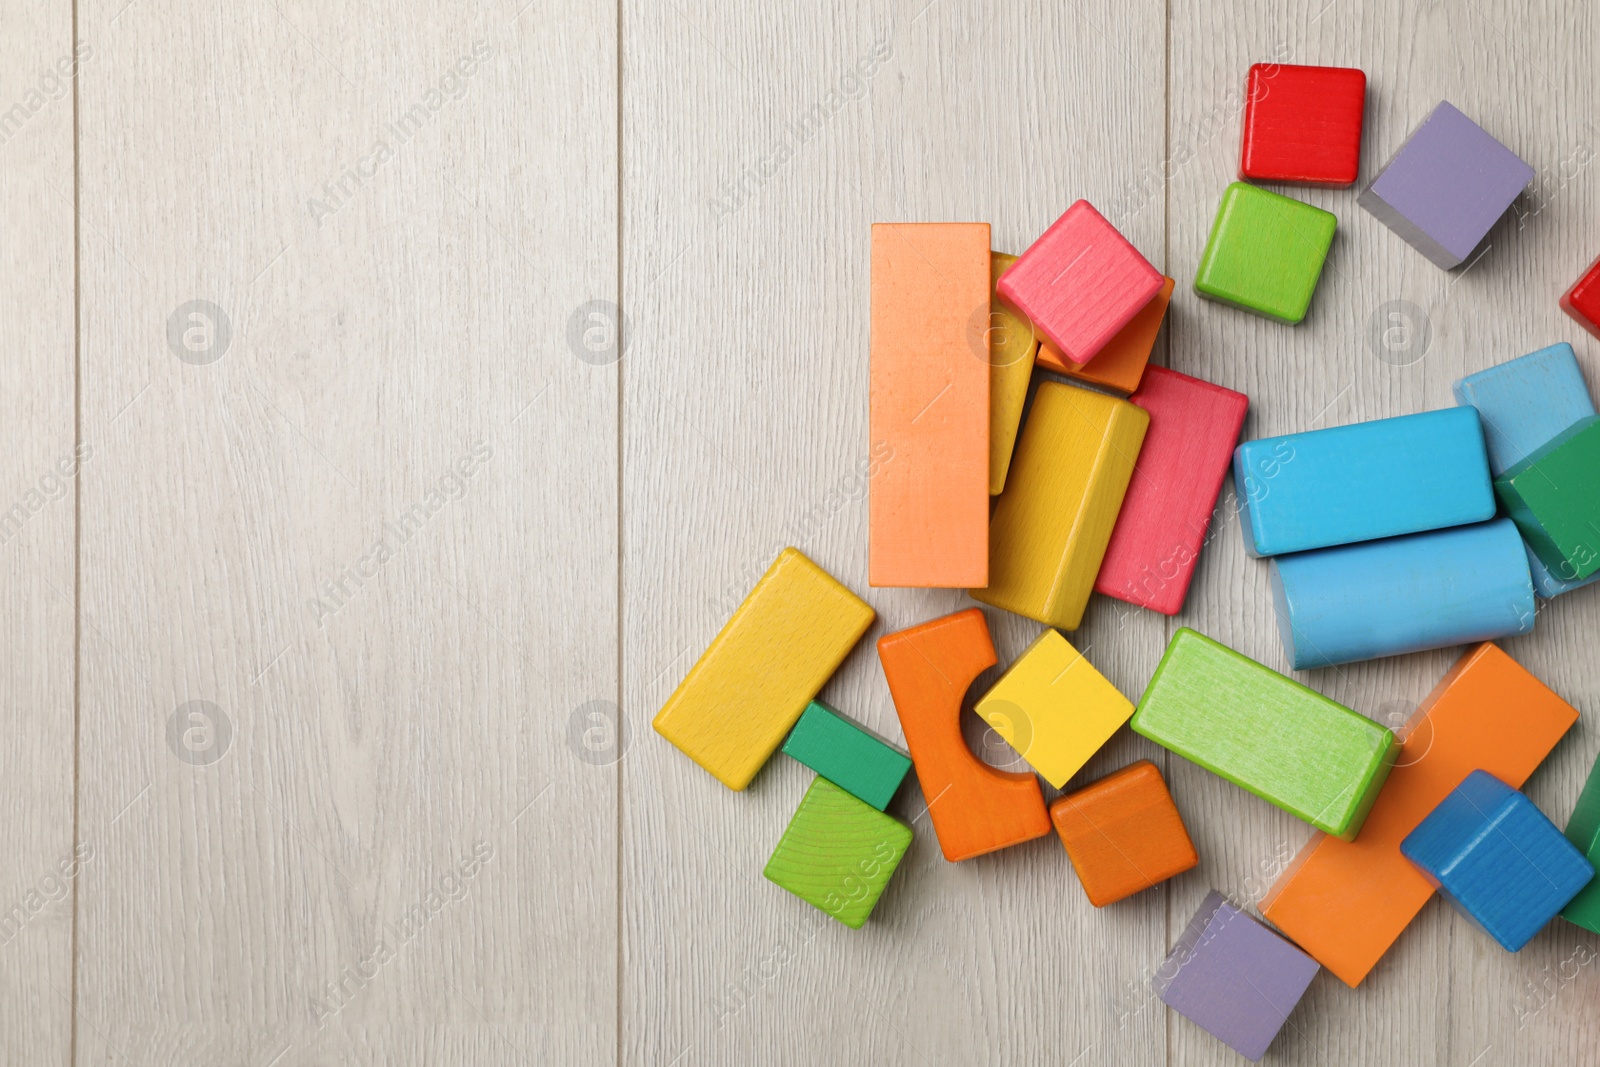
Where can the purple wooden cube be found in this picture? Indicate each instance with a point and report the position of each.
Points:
(1233, 977)
(1446, 186)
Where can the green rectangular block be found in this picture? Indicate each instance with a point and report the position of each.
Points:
(1583, 830)
(1265, 253)
(1291, 746)
(838, 853)
(847, 755)
(1553, 496)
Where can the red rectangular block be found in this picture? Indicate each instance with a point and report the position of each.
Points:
(1168, 509)
(1303, 124)
(1582, 301)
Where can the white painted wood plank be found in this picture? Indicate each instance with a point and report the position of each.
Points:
(756, 155)
(38, 471)
(376, 532)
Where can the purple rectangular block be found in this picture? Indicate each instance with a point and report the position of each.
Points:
(1233, 977)
(1446, 186)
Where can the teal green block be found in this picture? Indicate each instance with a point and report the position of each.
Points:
(838, 853)
(1583, 830)
(1290, 746)
(1553, 495)
(1265, 253)
(847, 755)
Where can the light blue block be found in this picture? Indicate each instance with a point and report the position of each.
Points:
(1497, 859)
(1523, 403)
(1403, 594)
(1362, 482)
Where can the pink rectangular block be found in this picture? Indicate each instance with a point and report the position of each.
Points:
(1168, 509)
(1080, 282)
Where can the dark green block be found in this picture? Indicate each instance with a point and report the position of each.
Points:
(1583, 830)
(1553, 496)
(847, 755)
(838, 854)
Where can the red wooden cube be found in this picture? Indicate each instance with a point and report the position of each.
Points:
(1080, 282)
(1303, 124)
(1582, 301)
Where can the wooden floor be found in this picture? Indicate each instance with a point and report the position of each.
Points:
(341, 510)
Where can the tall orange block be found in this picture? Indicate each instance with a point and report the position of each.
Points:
(975, 808)
(1346, 902)
(929, 507)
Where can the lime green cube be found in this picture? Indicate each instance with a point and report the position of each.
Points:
(1265, 253)
(838, 853)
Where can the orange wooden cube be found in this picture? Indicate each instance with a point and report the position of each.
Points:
(1123, 833)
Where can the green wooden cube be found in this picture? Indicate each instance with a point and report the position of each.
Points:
(1291, 746)
(1583, 830)
(847, 755)
(1553, 495)
(838, 853)
(1265, 253)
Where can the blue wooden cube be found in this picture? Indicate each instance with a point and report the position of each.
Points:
(1497, 859)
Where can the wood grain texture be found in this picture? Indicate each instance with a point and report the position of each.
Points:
(838, 853)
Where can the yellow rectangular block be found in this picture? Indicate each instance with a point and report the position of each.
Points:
(745, 692)
(1012, 346)
(1054, 708)
(1050, 527)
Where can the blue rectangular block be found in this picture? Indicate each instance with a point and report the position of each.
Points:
(1364, 481)
(1403, 594)
(1497, 859)
(1523, 403)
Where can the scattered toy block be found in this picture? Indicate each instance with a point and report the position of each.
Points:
(1361, 482)
(1265, 733)
(1172, 497)
(1121, 362)
(844, 753)
(747, 689)
(1403, 594)
(1303, 124)
(975, 808)
(1583, 830)
(1054, 708)
(1582, 301)
(928, 510)
(1234, 978)
(1265, 253)
(1347, 902)
(1080, 283)
(1012, 346)
(1051, 526)
(1446, 187)
(838, 853)
(1553, 495)
(1123, 834)
(1497, 859)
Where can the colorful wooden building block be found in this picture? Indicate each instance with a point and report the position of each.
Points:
(838, 853)
(1265, 733)
(1303, 124)
(1583, 830)
(1446, 186)
(1080, 283)
(844, 753)
(1123, 834)
(1497, 859)
(928, 512)
(1012, 346)
(1265, 253)
(1553, 495)
(1233, 977)
(975, 808)
(1347, 902)
(1361, 482)
(1403, 594)
(1054, 708)
(1523, 403)
(1051, 526)
(1171, 499)
(1121, 362)
(1582, 301)
(747, 689)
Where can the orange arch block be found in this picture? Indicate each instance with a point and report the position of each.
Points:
(975, 808)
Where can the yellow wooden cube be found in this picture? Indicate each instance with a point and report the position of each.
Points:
(1012, 346)
(1054, 708)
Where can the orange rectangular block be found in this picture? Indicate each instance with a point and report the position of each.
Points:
(929, 507)
(1123, 833)
(1121, 363)
(1346, 902)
